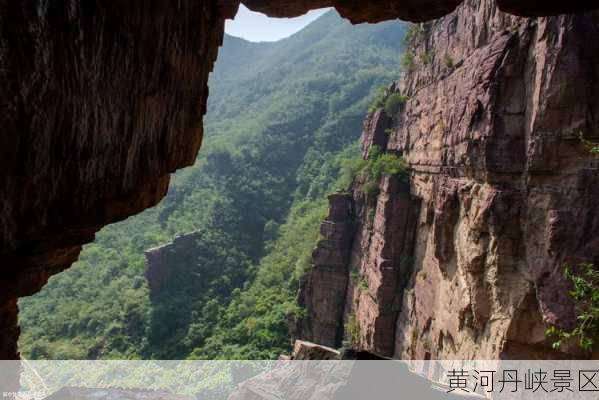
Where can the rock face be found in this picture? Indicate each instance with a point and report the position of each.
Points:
(159, 260)
(467, 260)
(102, 100)
(412, 10)
(323, 288)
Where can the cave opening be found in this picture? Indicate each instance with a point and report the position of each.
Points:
(93, 140)
(287, 100)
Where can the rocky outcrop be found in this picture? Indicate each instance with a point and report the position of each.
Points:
(466, 261)
(324, 286)
(303, 350)
(102, 100)
(159, 260)
(411, 10)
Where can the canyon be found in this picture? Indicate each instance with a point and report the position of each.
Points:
(104, 100)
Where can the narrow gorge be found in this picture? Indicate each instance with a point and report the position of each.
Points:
(103, 100)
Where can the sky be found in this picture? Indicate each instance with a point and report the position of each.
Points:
(257, 27)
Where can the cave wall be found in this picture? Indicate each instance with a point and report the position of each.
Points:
(467, 262)
(102, 100)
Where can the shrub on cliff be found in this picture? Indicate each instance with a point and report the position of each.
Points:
(414, 32)
(407, 61)
(426, 58)
(352, 332)
(379, 164)
(585, 292)
(376, 165)
(449, 63)
(393, 103)
(378, 100)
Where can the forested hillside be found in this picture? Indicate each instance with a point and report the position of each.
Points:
(280, 131)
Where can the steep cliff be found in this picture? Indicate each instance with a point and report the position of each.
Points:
(102, 100)
(467, 260)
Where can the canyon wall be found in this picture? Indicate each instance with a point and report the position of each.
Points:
(102, 100)
(466, 260)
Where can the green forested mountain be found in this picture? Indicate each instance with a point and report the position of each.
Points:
(280, 134)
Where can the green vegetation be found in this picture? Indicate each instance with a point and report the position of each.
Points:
(448, 60)
(593, 148)
(378, 99)
(426, 58)
(408, 62)
(280, 133)
(414, 33)
(379, 164)
(352, 332)
(393, 103)
(390, 102)
(585, 292)
(362, 285)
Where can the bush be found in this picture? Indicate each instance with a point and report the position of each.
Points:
(377, 165)
(363, 285)
(414, 32)
(449, 63)
(386, 164)
(393, 103)
(407, 61)
(426, 58)
(378, 100)
(352, 332)
(585, 281)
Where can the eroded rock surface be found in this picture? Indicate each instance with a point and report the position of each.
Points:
(159, 260)
(467, 262)
(411, 10)
(101, 101)
(323, 288)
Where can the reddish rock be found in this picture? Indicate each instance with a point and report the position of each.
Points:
(159, 260)
(376, 132)
(359, 11)
(303, 350)
(322, 291)
(539, 8)
(500, 173)
(409, 10)
(508, 193)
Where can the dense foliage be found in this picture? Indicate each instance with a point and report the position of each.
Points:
(281, 128)
(585, 292)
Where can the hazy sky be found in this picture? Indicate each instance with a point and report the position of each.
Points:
(258, 27)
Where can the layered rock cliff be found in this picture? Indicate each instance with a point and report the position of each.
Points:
(102, 100)
(466, 261)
